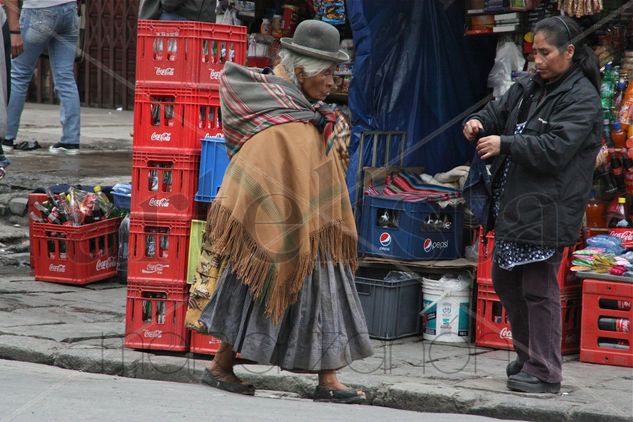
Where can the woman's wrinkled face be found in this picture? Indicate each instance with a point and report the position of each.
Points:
(316, 87)
(550, 61)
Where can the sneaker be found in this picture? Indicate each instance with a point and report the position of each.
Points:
(7, 145)
(68, 149)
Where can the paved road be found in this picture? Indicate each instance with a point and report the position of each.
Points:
(32, 392)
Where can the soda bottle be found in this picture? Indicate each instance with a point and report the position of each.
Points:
(618, 135)
(42, 209)
(612, 343)
(124, 235)
(608, 185)
(36, 217)
(619, 217)
(620, 325)
(75, 215)
(619, 96)
(621, 305)
(158, 49)
(617, 169)
(172, 48)
(153, 180)
(103, 202)
(595, 213)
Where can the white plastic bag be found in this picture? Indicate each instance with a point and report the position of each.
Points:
(508, 58)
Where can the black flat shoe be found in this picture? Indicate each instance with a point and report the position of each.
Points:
(350, 396)
(513, 368)
(209, 379)
(527, 383)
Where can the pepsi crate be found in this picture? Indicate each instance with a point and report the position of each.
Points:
(393, 228)
(214, 160)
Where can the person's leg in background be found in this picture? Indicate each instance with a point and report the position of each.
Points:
(37, 26)
(3, 100)
(7, 56)
(61, 50)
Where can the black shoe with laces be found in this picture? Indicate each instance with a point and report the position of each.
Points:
(68, 149)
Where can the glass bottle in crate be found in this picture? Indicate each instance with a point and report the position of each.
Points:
(124, 235)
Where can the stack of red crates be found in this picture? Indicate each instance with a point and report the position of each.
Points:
(607, 337)
(492, 328)
(177, 103)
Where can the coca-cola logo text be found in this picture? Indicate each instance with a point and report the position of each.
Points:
(214, 74)
(106, 264)
(159, 203)
(164, 71)
(505, 333)
(153, 334)
(625, 235)
(161, 137)
(154, 268)
(61, 268)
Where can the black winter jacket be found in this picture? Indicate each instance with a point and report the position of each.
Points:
(194, 10)
(551, 177)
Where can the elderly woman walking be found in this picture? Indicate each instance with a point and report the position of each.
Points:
(281, 233)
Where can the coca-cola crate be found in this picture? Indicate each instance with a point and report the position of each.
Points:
(158, 250)
(74, 254)
(175, 118)
(204, 344)
(613, 300)
(164, 185)
(187, 52)
(155, 316)
(566, 278)
(493, 329)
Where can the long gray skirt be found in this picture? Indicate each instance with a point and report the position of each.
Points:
(325, 329)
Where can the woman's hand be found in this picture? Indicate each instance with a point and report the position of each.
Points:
(488, 147)
(17, 45)
(471, 128)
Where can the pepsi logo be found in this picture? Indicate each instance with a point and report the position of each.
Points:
(428, 245)
(385, 239)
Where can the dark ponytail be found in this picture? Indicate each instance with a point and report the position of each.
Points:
(561, 31)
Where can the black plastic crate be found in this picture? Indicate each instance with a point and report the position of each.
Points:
(391, 307)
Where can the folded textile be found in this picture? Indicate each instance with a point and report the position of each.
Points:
(409, 187)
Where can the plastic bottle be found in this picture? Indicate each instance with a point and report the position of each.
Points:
(618, 135)
(595, 213)
(124, 235)
(620, 218)
(626, 109)
(103, 202)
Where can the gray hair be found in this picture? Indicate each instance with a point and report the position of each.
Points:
(310, 65)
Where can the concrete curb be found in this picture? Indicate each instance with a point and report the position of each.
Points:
(188, 369)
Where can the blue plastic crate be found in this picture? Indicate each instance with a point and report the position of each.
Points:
(213, 163)
(121, 200)
(390, 227)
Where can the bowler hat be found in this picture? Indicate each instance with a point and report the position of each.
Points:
(316, 39)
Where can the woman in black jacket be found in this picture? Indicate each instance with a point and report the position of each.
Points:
(544, 135)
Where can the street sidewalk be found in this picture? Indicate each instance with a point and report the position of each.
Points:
(83, 328)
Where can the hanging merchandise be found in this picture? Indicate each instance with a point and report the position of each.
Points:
(508, 59)
(330, 11)
(579, 8)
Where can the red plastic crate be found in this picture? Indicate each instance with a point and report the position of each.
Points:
(164, 185)
(204, 344)
(590, 348)
(492, 328)
(73, 254)
(158, 250)
(155, 316)
(175, 118)
(187, 52)
(566, 278)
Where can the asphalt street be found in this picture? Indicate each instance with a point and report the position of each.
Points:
(34, 392)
